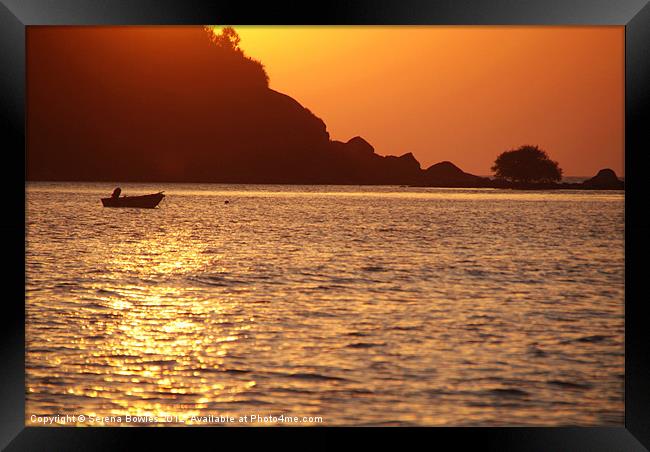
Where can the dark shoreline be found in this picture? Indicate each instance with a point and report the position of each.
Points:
(534, 186)
(497, 185)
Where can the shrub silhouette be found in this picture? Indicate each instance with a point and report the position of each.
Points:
(227, 39)
(526, 164)
(226, 43)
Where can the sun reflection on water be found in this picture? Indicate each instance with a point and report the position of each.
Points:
(368, 308)
(156, 340)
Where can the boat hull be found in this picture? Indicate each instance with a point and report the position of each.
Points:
(137, 202)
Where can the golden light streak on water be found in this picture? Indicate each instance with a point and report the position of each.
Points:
(363, 305)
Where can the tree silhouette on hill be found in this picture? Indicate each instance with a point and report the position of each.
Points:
(226, 40)
(525, 165)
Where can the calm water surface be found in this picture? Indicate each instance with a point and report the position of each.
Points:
(361, 305)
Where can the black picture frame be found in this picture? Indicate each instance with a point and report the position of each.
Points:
(15, 15)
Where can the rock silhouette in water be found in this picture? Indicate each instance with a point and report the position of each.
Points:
(446, 174)
(606, 179)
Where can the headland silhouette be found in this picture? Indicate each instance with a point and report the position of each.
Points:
(203, 112)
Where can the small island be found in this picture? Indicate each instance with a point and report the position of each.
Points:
(525, 168)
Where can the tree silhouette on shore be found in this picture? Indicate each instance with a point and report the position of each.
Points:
(525, 165)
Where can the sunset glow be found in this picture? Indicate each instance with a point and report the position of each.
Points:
(462, 94)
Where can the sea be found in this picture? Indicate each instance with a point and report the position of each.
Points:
(324, 305)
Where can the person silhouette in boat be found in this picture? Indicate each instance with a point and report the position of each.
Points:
(116, 193)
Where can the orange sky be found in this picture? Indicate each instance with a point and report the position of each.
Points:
(463, 94)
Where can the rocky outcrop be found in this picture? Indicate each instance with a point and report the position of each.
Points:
(606, 179)
(355, 162)
(446, 174)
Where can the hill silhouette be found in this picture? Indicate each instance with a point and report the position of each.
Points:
(446, 174)
(178, 107)
(185, 105)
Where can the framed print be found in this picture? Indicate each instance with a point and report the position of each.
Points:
(418, 215)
